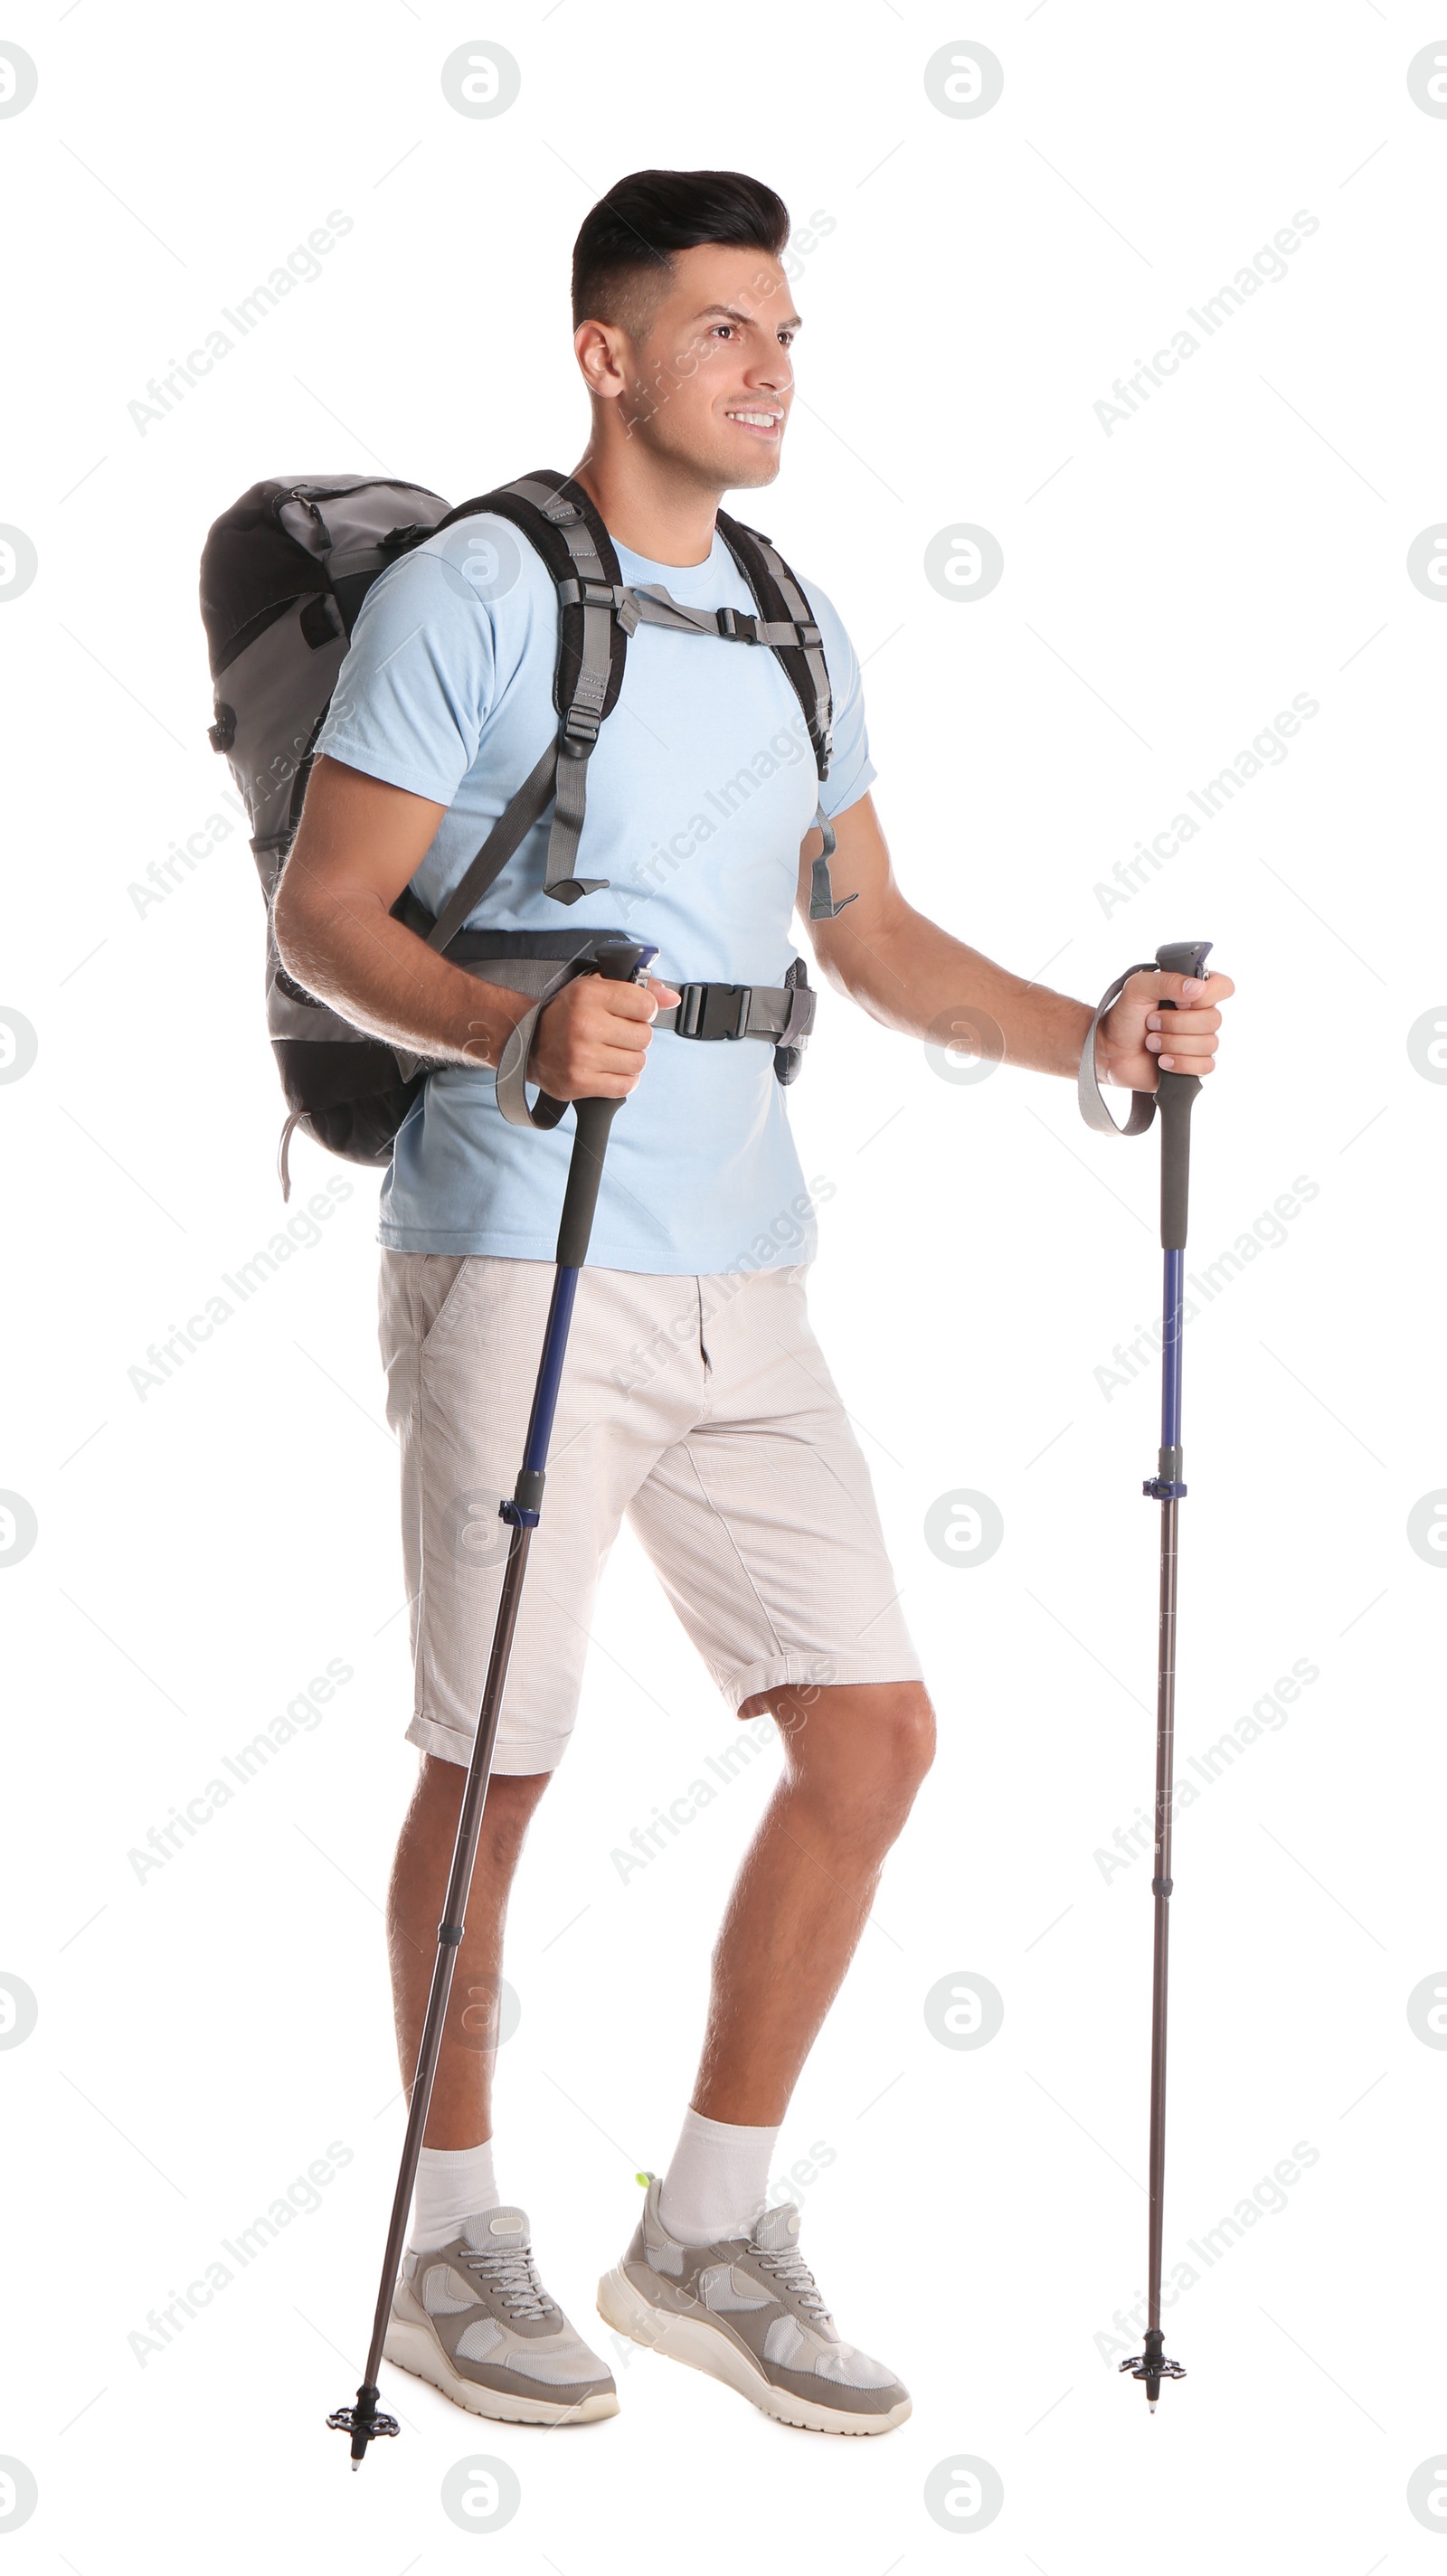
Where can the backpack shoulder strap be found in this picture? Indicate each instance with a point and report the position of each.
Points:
(781, 601)
(596, 615)
(559, 521)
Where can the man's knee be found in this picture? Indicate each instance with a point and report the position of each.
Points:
(866, 1742)
(907, 1733)
(507, 1810)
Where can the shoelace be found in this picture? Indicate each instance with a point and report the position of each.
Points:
(514, 2276)
(794, 2274)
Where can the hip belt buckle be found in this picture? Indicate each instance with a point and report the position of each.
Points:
(713, 1010)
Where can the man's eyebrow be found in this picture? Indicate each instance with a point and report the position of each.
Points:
(731, 313)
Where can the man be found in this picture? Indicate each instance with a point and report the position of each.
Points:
(721, 1436)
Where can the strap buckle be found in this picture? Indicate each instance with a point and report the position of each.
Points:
(712, 1010)
(737, 625)
(581, 724)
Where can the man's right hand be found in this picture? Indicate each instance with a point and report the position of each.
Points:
(591, 1043)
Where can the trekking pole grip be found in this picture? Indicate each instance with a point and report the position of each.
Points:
(1175, 1100)
(622, 961)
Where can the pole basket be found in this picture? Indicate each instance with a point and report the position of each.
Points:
(1152, 2366)
(363, 2423)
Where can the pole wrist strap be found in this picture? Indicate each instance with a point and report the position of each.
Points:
(512, 1086)
(1093, 1107)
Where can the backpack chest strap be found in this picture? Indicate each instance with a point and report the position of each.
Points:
(651, 605)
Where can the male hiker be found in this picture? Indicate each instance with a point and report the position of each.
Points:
(695, 1398)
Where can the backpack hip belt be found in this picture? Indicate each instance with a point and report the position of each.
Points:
(540, 963)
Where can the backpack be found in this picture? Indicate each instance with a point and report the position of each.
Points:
(284, 572)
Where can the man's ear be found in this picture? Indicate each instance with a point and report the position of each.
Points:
(600, 353)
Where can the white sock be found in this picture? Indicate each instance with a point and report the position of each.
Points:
(453, 2183)
(716, 2183)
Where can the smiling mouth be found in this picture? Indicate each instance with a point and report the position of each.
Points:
(764, 424)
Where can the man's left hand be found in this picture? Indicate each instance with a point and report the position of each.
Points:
(1137, 1039)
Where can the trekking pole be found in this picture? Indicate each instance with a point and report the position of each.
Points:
(622, 961)
(1175, 1099)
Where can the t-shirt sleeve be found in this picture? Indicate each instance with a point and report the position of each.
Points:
(418, 681)
(851, 771)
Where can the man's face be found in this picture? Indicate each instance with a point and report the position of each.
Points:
(711, 383)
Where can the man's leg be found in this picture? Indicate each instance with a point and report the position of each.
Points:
(469, 2312)
(713, 2276)
(461, 1338)
(762, 1524)
(461, 2110)
(854, 1756)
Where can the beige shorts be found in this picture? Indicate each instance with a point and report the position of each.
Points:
(701, 1408)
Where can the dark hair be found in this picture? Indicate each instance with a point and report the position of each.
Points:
(631, 234)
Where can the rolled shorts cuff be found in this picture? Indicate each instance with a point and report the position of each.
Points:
(514, 1761)
(821, 1672)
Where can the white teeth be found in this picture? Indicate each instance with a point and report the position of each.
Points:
(758, 419)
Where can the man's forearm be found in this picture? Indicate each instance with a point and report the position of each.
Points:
(911, 975)
(349, 951)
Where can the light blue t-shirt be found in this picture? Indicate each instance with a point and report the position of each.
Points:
(700, 791)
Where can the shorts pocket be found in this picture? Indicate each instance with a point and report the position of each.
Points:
(437, 1293)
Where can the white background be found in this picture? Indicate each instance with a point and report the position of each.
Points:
(203, 2036)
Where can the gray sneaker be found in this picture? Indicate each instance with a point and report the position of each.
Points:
(747, 2311)
(474, 2318)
